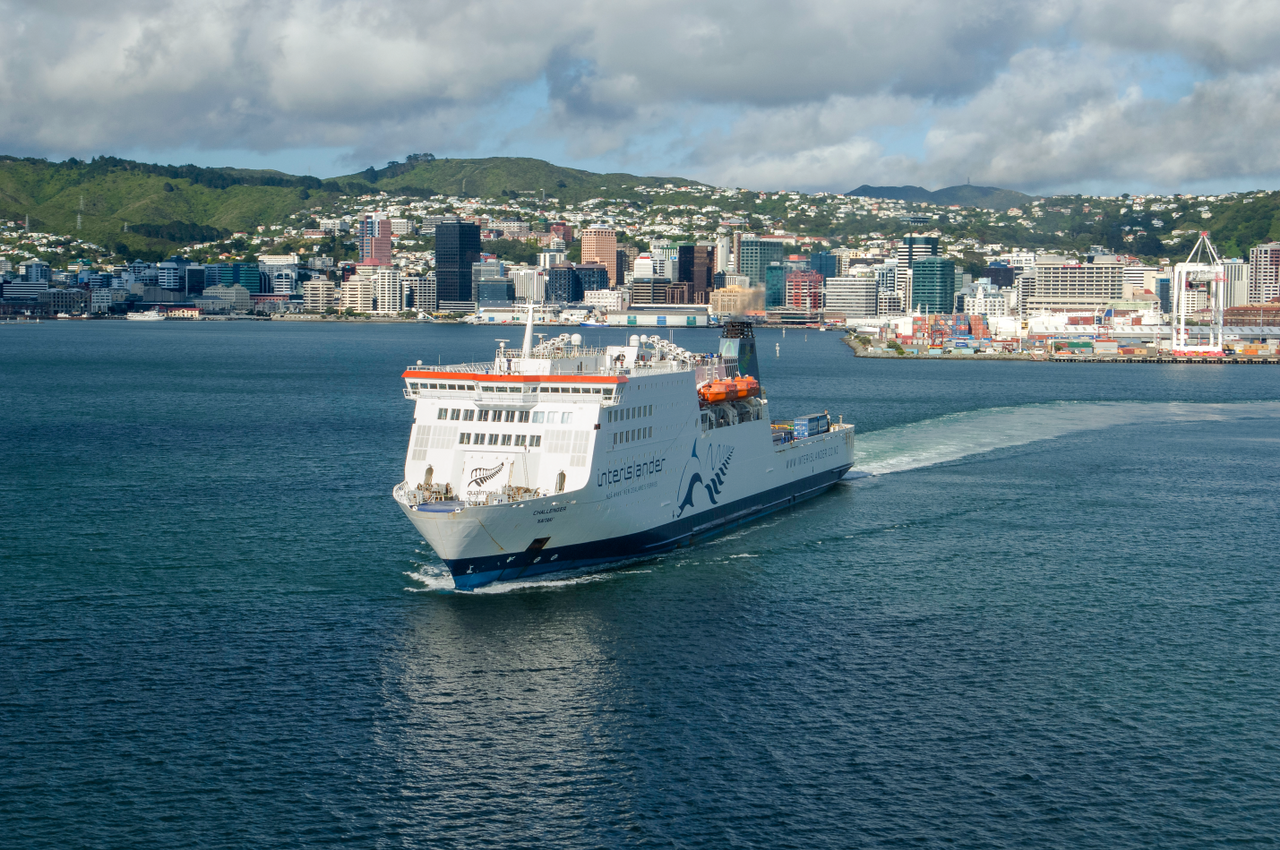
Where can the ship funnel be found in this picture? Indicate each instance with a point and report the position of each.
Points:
(739, 340)
(527, 348)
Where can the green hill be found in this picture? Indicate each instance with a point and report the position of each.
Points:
(985, 197)
(159, 206)
(498, 177)
(122, 201)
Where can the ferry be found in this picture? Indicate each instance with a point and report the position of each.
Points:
(152, 315)
(562, 456)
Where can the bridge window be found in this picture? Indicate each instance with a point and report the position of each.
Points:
(484, 416)
(493, 439)
(520, 439)
(511, 416)
(468, 415)
(455, 413)
(524, 416)
(535, 441)
(443, 413)
(537, 417)
(464, 439)
(506, 439)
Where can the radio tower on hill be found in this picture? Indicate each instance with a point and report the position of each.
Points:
(1199, 284)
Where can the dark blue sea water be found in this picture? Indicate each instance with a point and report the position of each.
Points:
(1050, 619)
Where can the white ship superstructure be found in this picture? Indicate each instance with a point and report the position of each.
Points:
(562, 456)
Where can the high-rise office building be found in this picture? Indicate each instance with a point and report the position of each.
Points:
(600, 245)
(457, 250)
(775, 286)
(910, 249)
(375, 239)
(755, 255)
(804, 291)
(825, 264)
(695, 265)
(933, 284)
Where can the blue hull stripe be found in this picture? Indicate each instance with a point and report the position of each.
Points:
(470, 573)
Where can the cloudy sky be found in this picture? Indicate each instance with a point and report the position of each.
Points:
(1070, 95)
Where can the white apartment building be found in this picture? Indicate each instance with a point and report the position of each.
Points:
(530, 284)
(1264, 273)
(1059, 285)
(605, 299)
(317, 295)
(357, 294)
(986, 299)
(422, 291)
(854, 294)
(1235, 283)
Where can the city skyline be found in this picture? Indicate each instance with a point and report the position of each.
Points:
(1093, 97)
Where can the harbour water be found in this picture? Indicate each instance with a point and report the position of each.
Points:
(1050, 616)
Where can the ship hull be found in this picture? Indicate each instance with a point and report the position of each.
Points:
(473, 572)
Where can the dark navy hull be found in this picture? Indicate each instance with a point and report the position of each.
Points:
(470, 573)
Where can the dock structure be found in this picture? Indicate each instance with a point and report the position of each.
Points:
(1165, 357)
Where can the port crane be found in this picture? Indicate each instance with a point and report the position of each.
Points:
(1199, 283)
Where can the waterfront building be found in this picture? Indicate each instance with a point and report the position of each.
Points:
(736, 300)
(457, 249)
(358, 293)
(853, 294)
(420, 292)
(317, 295)
(1059, 285)
(388, 289)
(600, 245)
(775, 286)
(234, 297)
(804, 290)
(530, 284)
(984, 298)
(605, 299)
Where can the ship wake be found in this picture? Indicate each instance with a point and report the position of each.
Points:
(960, 435)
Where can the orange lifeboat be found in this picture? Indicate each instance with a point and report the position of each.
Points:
(728, 390)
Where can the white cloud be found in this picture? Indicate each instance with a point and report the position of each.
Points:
(806, 94)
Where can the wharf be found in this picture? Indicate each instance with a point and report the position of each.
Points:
(860, 350)
(1240, 359)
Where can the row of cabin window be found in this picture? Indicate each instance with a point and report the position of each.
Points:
(624, 413)
(608, 391)
(620, 437)
(414, 385)
(551, 417)
(534, 441)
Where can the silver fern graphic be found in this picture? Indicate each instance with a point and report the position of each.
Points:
(480, 476)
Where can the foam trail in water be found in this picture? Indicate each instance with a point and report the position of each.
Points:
(438, 580)
(959, 435)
